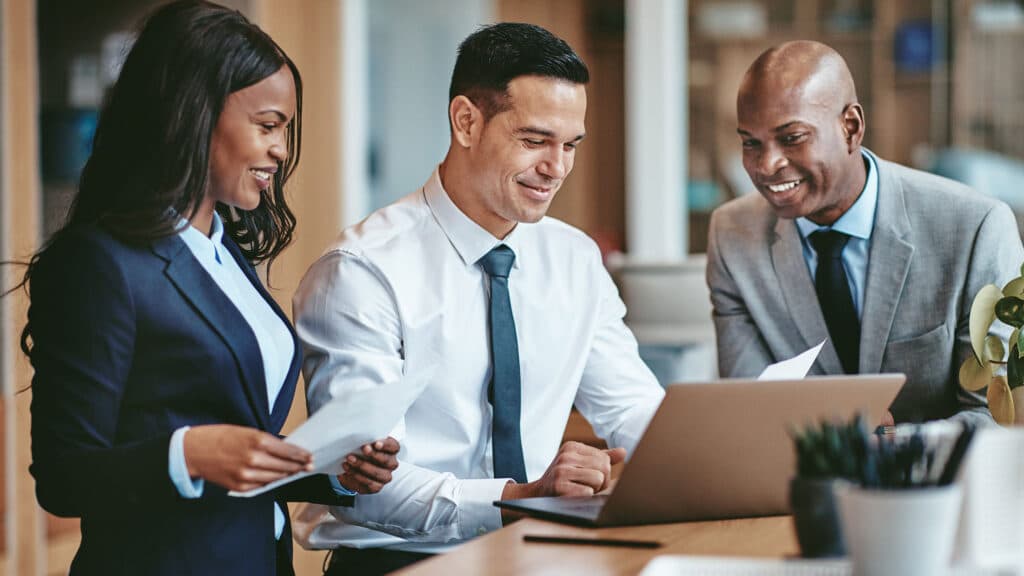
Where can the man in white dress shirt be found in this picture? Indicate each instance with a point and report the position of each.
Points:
(512, 312)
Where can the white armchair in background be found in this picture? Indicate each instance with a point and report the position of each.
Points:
(669, 311)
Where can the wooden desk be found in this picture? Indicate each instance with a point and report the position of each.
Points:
(504, 552)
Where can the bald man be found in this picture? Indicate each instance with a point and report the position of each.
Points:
(880, 259)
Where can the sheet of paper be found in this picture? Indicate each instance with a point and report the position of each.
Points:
(344, 424)
(793, 369)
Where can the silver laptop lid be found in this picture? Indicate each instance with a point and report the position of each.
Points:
(722, 449)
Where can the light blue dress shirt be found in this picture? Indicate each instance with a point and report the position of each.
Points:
(857, 222)
(272, 335)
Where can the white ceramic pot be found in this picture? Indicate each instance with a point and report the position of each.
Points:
(899, 532)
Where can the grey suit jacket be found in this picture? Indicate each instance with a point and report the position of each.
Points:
(935, 243)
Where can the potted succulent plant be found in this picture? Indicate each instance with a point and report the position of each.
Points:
(987, 367)
(826, 455)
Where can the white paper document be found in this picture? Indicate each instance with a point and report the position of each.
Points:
(672, 565)
(344, 424)
(793, 369)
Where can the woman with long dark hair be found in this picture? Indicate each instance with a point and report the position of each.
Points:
(163, 369)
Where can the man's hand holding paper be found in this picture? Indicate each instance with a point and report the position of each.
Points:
(368, 470)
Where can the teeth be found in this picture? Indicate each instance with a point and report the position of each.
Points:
(784, 187)
(261, 174)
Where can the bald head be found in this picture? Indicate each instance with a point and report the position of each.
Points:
(809, 70)
(801, 128)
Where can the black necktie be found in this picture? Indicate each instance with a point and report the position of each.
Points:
(504, 391)
(834, 297)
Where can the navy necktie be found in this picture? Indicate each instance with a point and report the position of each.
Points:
(504, 391)
(833, 290)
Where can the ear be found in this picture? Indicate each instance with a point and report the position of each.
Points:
(853, 126)
(466, 121)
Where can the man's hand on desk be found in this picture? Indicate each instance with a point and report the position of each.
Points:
(578, 470)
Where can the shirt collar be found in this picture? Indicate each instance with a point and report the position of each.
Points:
(198, 242)
(859, 220)
(468, 238)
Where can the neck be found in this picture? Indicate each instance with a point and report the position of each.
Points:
(456, 179)
(202, 218)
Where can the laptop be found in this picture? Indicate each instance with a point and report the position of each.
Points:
(717, 450)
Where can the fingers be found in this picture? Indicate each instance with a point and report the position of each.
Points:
(583, 456)
(257, 477)
(241, 458)
(581, 470)
(383, 453)
(359, 484)
(266, 462)
(580, 482)
(388, 445)
(616, 455)
(354, 465)
(282, 450)
(368, 470)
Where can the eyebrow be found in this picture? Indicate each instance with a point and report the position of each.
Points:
(743, 132)
(280, 115)
(545, 133)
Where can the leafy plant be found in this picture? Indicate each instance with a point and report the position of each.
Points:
(849, 451)
(828, 450)
(981, 369)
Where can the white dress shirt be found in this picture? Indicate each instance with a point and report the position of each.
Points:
(402, 292)
(272, 336)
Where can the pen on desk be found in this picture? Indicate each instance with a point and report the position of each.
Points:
(586, 540)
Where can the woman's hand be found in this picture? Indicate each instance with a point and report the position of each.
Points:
(241, 458)
(369, 469)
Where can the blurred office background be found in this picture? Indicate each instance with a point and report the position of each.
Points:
(938, 80)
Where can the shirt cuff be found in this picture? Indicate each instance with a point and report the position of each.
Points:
(477, 513)
(178, 470)
(338, 488)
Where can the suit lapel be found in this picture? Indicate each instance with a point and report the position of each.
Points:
(189, 277)
(279, 413)
(888, 265)
(801, 300)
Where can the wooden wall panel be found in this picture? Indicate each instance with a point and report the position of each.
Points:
(310, 31)
(566, 19)
(19, 188)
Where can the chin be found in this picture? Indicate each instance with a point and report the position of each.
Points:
(789, 211)
(532, 216)
(250, 203)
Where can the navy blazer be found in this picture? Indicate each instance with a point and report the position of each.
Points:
(129, 344)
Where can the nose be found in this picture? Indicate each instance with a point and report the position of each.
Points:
(279, 148)
(771, 160)
(556, 164)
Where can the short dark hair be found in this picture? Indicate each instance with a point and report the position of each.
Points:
(495, 55)
(151, 151)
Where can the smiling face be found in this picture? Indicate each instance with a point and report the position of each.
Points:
(250, 141)
(801, 142)
(522, 155)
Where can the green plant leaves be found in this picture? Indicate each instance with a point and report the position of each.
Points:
(828, 449)
(982, 315)
(994, 348)
(1000, 401)
(973, 375)
(1014, 287)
